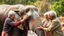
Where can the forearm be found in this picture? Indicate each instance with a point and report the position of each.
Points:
(25, 17)
(20, 22)
(46, 29)
(17, 24)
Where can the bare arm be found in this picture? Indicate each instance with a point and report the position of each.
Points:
(25, 17)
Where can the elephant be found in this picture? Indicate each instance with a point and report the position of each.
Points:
(4, 9)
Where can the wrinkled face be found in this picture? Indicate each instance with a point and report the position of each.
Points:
(12, 16)
(46, 17)
(50, 17)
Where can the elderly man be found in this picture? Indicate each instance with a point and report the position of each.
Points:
(55, 26)
(16, 8)
(9, 24)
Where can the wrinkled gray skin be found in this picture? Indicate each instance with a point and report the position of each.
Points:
(2, 16)
(38, 32)
(36, 24)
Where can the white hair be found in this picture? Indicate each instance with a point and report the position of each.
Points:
(46, 14)
(11, 13)
(53, 13)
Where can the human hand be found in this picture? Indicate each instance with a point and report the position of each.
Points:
(40, 28)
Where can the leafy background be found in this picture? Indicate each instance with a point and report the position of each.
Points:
(43, 5)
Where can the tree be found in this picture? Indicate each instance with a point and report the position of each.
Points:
(43, 5)
(59, 7)
(25, 2)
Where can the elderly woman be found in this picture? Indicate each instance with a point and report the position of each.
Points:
(46, 22)
(55, 28)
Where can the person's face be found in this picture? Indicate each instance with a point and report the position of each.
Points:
(51, 17)
(46, 17)
(13, 16)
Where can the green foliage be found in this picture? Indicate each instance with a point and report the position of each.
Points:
(25, 2)
(59, 7)
(53, 1)
(43, 5)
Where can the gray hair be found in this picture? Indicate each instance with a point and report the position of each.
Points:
(46, 14)
(53, 13)
(11, 13)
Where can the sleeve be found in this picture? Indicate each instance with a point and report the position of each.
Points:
(51, 27)
(10, 22)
